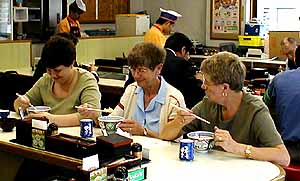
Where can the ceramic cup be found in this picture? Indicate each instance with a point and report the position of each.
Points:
(111, 123)
(203, 140)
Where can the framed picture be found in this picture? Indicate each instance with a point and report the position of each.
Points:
(225, 22)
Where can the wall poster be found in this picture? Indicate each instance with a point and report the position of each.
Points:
(225, 19)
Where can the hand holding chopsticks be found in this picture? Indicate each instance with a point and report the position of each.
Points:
(26, 100)
(188, 111)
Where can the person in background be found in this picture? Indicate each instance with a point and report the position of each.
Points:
(146, 104)
(63, 87)
(283, 93)
(241, 122)
(71, 24)
(288, 47)
(163, 26)
(179, 72)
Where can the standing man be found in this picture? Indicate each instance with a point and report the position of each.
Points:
(180, 72)
(71, 24)
(163, 26)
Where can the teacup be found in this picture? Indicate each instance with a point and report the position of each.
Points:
(110, 123)
(38, 109)
(204, 140)
(4, 113)
(7, 124)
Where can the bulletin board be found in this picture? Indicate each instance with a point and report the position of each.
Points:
(225, 19)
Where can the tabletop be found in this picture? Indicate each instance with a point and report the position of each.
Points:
(165, 163)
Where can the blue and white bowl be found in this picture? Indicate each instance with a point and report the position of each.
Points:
(111, 123)
(203, 140)
(4, 113)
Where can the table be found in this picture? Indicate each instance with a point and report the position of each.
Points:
(215, 165)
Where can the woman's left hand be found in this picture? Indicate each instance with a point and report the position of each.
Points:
(224, 139)
(40, 115)
(132, 127)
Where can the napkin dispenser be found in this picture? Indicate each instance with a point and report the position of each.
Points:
(24, 132)
(72, 146)
(112, 146)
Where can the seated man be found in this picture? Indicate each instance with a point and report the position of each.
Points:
(146, 104)
(63, 88)
(283, 93)
(179, 72)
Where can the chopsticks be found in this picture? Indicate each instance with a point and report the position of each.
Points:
(22, 97)
(188, 111)
(98, 110)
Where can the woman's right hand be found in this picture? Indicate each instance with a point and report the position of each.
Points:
(23, 101)
(185, 117)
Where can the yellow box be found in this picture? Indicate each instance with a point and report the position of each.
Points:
(252, 41)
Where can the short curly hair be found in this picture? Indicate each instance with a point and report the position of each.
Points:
(146, 54)
(58, 51)
(225, 67)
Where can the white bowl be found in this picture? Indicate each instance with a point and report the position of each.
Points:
(111, 123)
(204, 140)
(38, 109)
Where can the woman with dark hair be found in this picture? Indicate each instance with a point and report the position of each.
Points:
(63, 87)
(70, 23)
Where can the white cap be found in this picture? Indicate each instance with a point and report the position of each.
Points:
(169, 14)
(80, 4)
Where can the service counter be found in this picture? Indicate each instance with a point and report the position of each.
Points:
(273, 66)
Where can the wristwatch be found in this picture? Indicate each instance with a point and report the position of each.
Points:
(145, 132)
(248, 152)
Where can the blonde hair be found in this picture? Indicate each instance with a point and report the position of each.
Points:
(225, 67)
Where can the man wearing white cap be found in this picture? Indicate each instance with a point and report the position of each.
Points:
(71, 24)
(163, 26)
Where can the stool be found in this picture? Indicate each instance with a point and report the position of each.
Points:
(292, 172)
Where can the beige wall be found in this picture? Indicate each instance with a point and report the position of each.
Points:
(106, 48)
(16, 54)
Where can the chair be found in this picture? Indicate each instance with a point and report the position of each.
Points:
(228, 46)
(292, 172)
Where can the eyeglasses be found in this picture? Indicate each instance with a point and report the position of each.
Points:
(205, 83)
(138, 70)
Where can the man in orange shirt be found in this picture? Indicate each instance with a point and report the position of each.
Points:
(163, 26)
(71, 24)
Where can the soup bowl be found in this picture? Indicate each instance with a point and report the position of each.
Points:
(38, 109)
(7, 124)
(4, 113)
(203, 140)
(110, 123)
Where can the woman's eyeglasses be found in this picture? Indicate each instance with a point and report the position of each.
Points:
(205, 83)
(138, 70)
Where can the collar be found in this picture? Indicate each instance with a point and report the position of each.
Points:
(158, 27)
(162, 92)
(171, 51)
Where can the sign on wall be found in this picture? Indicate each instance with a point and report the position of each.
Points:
(225, 19)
